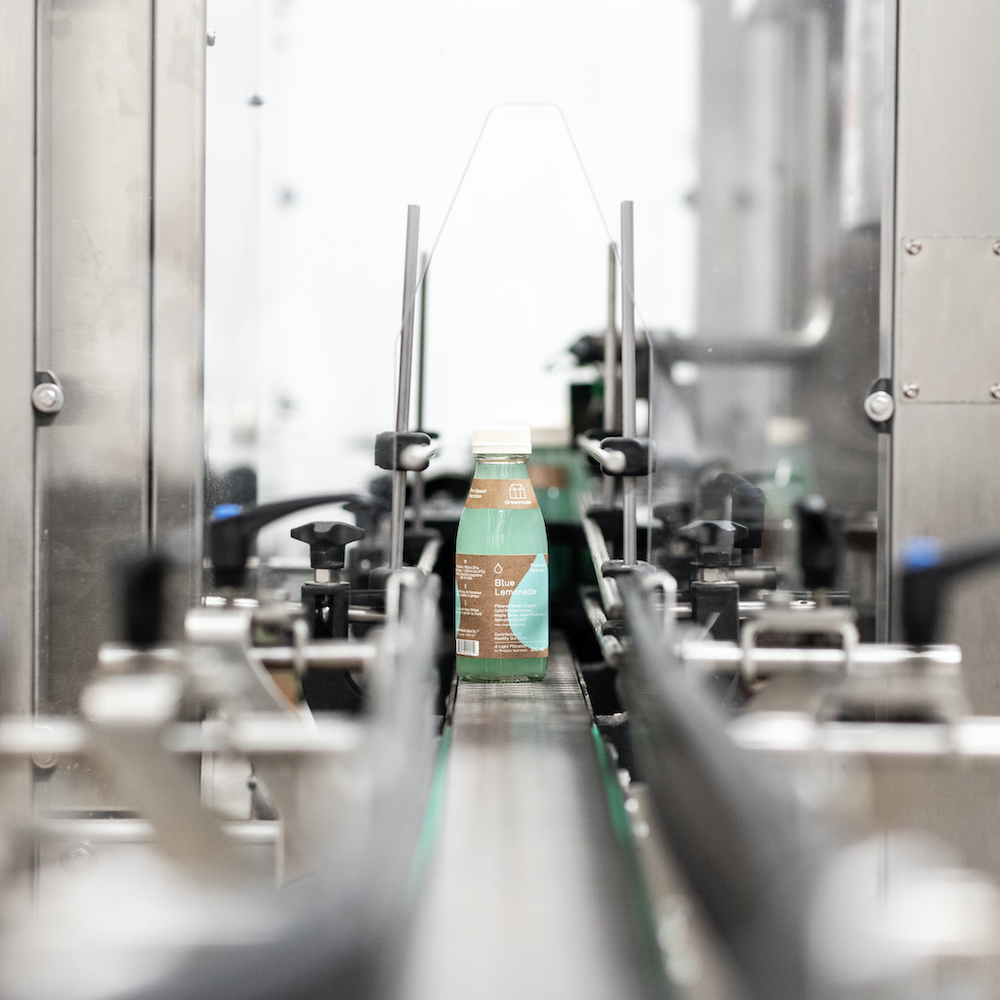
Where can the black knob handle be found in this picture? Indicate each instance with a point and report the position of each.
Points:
(927, 570)
(821, 543)
(748, 510)
(327, 541)
(747, 505)
(230, 535)
(715, 540)
(143, 581)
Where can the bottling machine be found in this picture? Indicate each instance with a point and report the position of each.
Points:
(765, 759)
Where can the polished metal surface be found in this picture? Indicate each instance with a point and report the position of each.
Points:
(946, 485)
(528, 894)
(93, 322)
(178, 294)
(17, 373)
(940, 303)
(119, 303)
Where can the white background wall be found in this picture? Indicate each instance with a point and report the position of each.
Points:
(370, 106)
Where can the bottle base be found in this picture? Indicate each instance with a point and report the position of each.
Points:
(472, 668)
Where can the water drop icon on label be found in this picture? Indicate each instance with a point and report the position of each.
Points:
(498, 568)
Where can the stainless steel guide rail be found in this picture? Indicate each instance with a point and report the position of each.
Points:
(405, 377)
(610, 364)
(629, 544)
(528, 894)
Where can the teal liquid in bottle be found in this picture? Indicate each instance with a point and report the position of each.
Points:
(501, 565)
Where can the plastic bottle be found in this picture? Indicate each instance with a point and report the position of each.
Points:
(501, 565)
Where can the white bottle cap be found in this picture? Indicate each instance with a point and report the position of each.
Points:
(501, 441)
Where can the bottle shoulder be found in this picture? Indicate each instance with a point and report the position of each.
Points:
(512, 532)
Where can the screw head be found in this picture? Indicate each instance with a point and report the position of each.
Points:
(44, 760)
(911, 390)
(995, 390)
(78, 858)
(912, 246)
(996, 247)
(47, 397)
(210, 37)
(879, 406)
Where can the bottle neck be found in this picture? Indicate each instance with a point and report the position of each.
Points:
(501, 459)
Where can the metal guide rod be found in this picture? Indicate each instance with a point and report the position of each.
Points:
(418, 477)
(398, 522)
(628, 381)
(611, 363)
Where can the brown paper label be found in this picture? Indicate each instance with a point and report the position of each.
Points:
(501, 494)
(504, 605)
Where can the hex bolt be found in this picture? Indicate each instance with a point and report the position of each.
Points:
(911, 390)
(995, 390)
(912, 246)
(78, 858)
(879, 406)
(47, 397)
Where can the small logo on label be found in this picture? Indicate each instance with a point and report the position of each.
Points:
(498, 568)
(518, 492)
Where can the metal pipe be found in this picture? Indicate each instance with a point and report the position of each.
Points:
(335, 654)
(611, 648)
(611, 460)
(728, 657)
(398, 523)
(367, 616)
(629, 543)
(418, 477)
(428, 557)
(611, 363)
(610, 595)
(741, 347)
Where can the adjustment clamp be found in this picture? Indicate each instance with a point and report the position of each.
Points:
(618, 456)
(407, 450)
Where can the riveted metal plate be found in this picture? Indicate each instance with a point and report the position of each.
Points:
(949, 319)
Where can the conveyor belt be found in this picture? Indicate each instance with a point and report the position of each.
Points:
(529, 893)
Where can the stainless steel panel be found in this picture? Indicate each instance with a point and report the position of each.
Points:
(528, 894)
(178, 288)
(93, 320)
(948, 140)
(941, 301)
(946, 483)
(948, 319)
(17, 253)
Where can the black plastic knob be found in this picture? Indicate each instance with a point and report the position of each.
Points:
(231, 534)
(821, 543)
(715, 540)
(327, 541)
(927, 570)
(747, 505)
(143, 581)
(748, 510)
